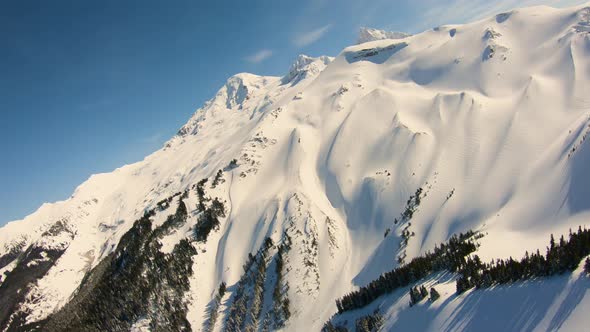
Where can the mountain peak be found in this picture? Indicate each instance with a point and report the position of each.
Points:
(238, 88)
(370, 34)
(231, 96)
(305, 66)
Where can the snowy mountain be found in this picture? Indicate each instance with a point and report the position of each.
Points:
(282, 195)
(370, 34)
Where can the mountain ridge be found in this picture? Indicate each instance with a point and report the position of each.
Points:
(487, 119)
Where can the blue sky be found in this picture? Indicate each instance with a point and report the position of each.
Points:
(88, 86)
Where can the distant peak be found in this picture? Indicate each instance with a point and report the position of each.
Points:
(370, 34)
(233, 94)
(305, 66)
(237, 88)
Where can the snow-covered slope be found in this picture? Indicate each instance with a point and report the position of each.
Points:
(488, 118)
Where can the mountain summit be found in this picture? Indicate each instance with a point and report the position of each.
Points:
(341, 196)
(370, 34)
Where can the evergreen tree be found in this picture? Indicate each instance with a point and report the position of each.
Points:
(217, 179)
(222, 289)
(462, 285)
(414, 295)
(434, 295)
(423, 292)
(233, 164)
(369, 323)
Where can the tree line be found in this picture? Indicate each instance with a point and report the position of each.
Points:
(247, 298)
(209, 218)
(456, 256)
(449, 256)
(560, 257)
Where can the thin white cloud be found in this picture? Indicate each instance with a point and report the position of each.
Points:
(259, 56)
(311, 36)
